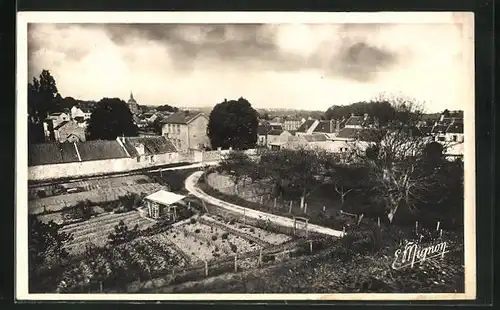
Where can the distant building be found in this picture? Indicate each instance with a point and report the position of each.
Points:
(132, 105)
(57, 118)
(187, 130)
(70, 131)
(293, 124)
(448, 129)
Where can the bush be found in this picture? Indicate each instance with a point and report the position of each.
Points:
(233, 247)
(231, 222)
(214, 237)
(197, 230)
(252, 229)
(192, 221)
(225, 236)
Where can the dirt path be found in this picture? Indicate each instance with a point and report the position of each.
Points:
(191, 187)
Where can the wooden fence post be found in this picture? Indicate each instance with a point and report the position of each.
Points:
(416, 227)
(261, 199)
(260, 257)
(206, 269)
(311, 246)
(305, 207)
(290, 208)
(235, 262)
(275, 202)
(378, 221)
(440, 233)
(437, 226)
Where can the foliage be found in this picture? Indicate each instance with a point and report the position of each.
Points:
(42, 93)
(385, 109)
(122, 234)
(166, 108)
(233, 124)
(46, 244)
(82, 210)
(111, 119)
(292, 172)
(238, 165)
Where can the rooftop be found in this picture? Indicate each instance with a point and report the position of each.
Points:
(305, 126)
(165, 198)
(100, 149)
(181, 117)
(152, 145)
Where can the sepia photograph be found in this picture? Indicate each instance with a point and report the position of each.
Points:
(240, 156)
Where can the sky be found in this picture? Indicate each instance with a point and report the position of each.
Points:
(297, 66)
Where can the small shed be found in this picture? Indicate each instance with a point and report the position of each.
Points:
(163, 204)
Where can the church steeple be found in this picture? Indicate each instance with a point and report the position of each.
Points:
(131, 96)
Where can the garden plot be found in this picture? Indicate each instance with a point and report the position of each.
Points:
(195, 248)
(151, 254)
(96, 230)
(204, 242)
(56, 203)
(261, 234)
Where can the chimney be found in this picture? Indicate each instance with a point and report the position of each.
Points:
(352, 114)
(225, 99)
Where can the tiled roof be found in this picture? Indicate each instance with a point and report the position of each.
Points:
(305, 125)
(315, 138)
(152, 145)
(439, 128)
(275, 132)
(361, 134)
(51, 153)
(354, 121)
(60, 125)
(276, 127)
(181, 117)
(324, 126)
(100, 149)
(455, 128)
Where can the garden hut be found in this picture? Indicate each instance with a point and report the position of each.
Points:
(163, 204)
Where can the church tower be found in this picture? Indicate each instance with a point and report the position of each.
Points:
(132, 105)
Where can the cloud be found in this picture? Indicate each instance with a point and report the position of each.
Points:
(200, 64)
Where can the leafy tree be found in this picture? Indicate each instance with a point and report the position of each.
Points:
(293, 171)
(123, 234)
(110, 119)
(238, 165)
(46, 243)
(42, 93)
(167, 108)
(344, 178)
(233, 124)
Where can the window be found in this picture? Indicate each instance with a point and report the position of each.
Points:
(440, 138)
(455, 138)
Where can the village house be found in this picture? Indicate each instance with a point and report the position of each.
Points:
(292, 124)
(448, 129)
(187, 130)
(277, 135)
(147, 148)
(163, 204)
(70, 131)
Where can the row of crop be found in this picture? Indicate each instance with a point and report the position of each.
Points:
(141, 258)
(260, 242)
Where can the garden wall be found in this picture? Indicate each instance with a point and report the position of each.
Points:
(118, 165)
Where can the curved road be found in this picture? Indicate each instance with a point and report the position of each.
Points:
(191, 187)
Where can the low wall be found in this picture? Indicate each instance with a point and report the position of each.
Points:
(119, 165)
(97, 167)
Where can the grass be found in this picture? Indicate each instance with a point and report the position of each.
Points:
(332, 221)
